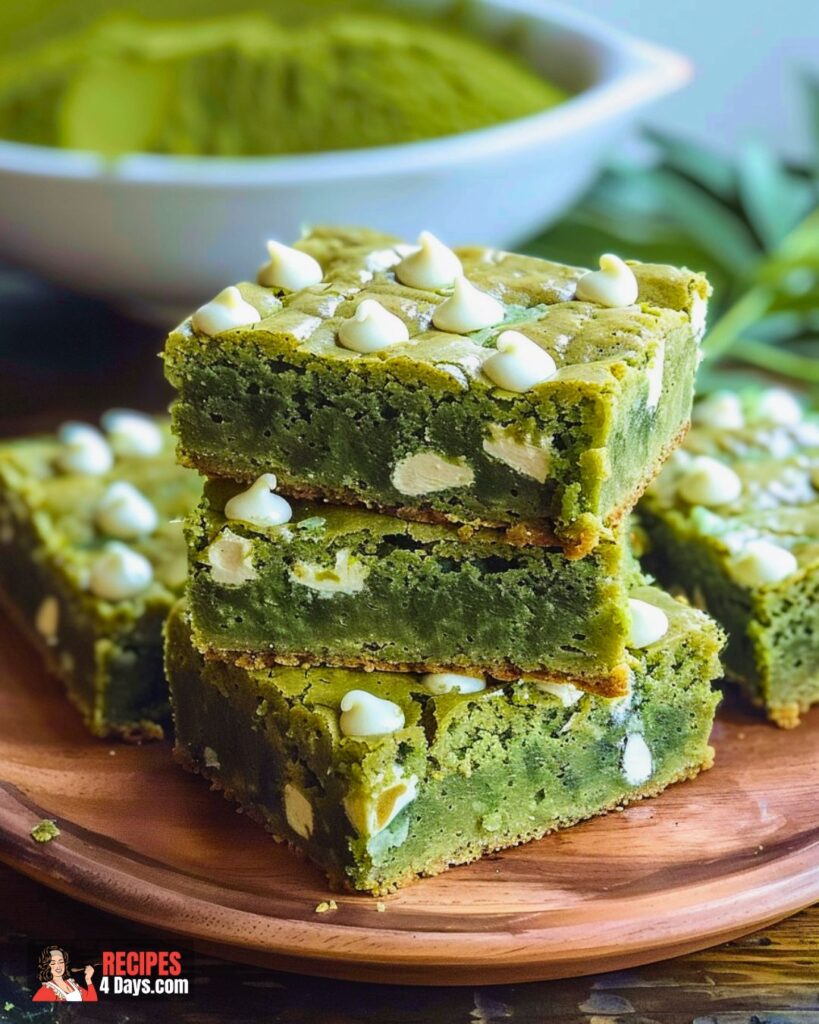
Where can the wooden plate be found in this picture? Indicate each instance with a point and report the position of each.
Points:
(736, 849)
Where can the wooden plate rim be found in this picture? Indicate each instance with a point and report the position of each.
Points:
(88, 867)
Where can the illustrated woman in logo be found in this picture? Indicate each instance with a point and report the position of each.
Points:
(57, 985)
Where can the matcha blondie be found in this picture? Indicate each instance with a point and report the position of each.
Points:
(92, 556)
(381, 777)
(734, 521)
(475, 386)
(341, 586)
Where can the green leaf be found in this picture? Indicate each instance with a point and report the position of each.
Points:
(780, 325)
(737, 321)
(774, 199)
(703, 166)
(779, 360)
(726, 376)
(721, 232)
(751, 225)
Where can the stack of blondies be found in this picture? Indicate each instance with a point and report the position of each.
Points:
(414, 629)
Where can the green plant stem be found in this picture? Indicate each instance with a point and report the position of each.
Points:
(778, 360)
(736, 320)
(757, 300)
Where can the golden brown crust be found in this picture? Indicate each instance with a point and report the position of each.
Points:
(786, 716)
(464, 856)
(522, 534)
(616, 684)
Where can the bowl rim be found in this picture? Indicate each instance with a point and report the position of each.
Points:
(646, 72)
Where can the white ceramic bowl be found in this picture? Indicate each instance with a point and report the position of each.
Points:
(161, 234)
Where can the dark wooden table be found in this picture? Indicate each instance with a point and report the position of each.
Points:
(63, 357)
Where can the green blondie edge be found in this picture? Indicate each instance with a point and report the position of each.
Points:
(772, 628)
(108, 654)
(347, 587)
(466, 775)
(561, 463)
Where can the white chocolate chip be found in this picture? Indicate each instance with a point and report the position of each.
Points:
(655, 374)
(47, 619)
(709, 482)
(467, 309)
(806, 434)
(567, 694)
(648, 623)
(697, 313)
(288, 268)
(391, 801)
(447, 682)
(231, 559)
(125, 513)
(432, 265)
(518, 364)
(762, 562)
(131, 433)
(776, 405)
(614, 284)
(380, 260)
(637, 764)
(372, 328)
(84, 450)
(390, 795)
(363, 714)
(298, 810)
(528, 459)
(347, 576)
(680, 460)
(426, 472)
(119, 572)
(223, 313)
(620, 707)
(721, 409)
(258, 505)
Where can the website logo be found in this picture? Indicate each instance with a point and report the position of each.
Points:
(54, 972)
(114, 973)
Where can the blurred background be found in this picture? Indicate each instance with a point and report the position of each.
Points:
(747, 57)
(148, 148)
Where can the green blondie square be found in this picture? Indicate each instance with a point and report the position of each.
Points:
(347, 587)
(379, 780)
(734, 521)
(418, 428)
(92, 556)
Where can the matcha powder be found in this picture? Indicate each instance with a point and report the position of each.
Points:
(44, 831)
(247, 86)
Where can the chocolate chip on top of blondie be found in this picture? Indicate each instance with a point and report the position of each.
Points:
(734, 521)
(92, 557)
(473, 386)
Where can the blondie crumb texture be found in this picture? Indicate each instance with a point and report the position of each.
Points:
(107, 651)
(418, 427)
(734, 521)
(358, 589)
(466, 773)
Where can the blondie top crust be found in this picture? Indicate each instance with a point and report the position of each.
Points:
(379, 780)
(734, 521)
(418, 427)
(92, 556)
(349, 587)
